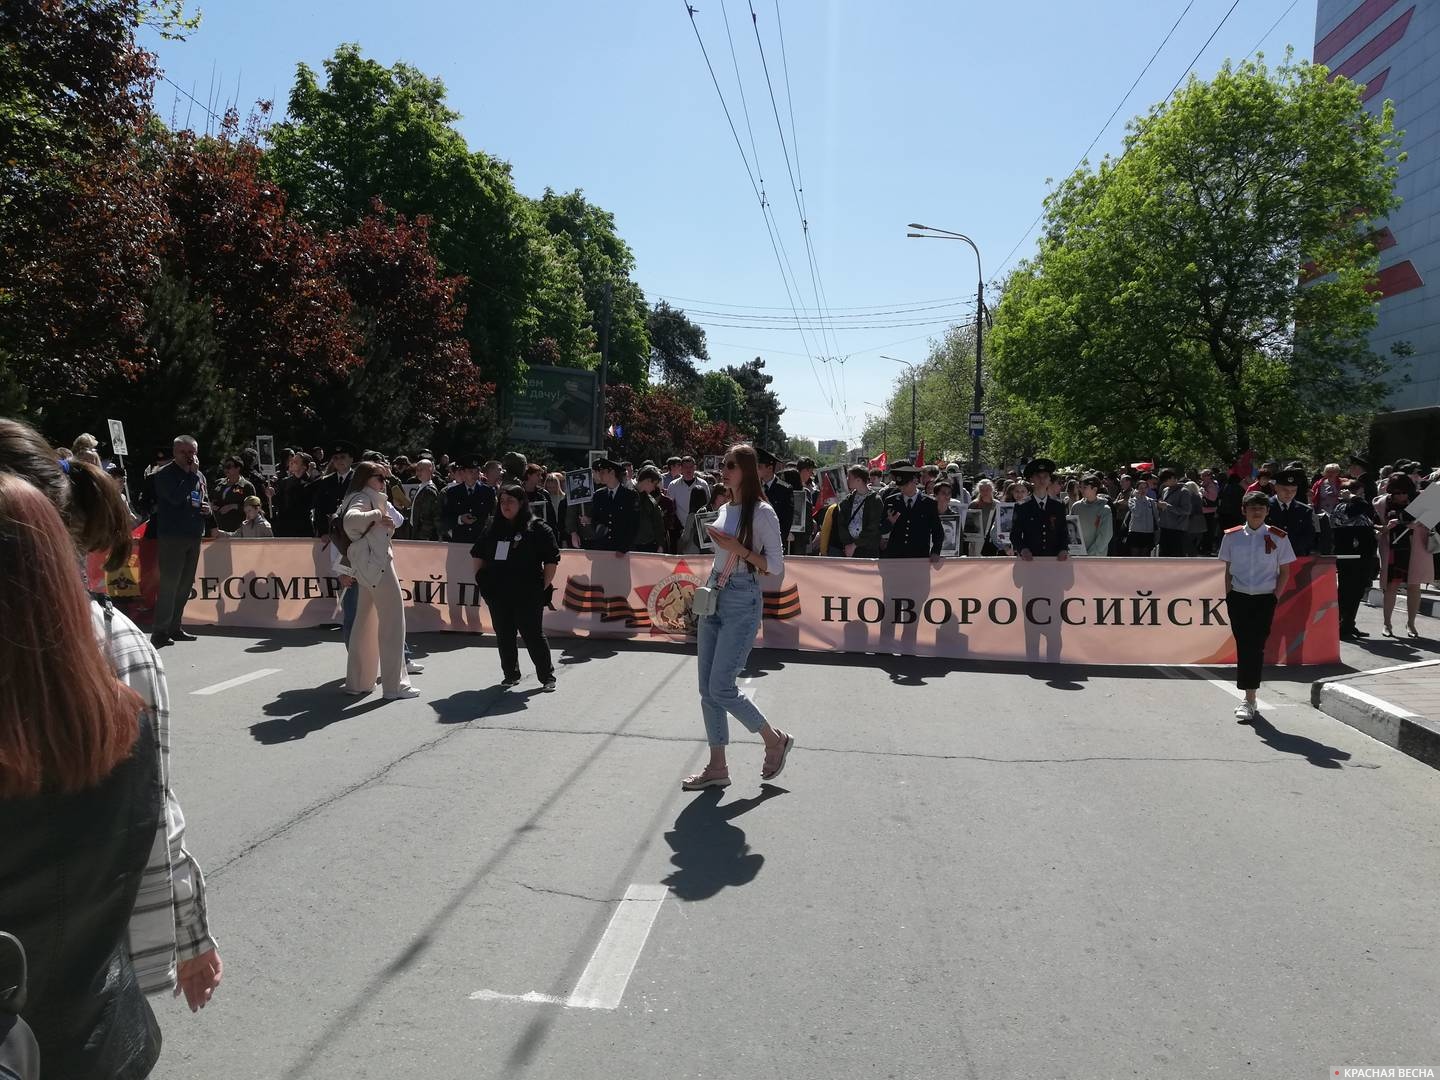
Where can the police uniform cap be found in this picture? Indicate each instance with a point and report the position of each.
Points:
(1356, 459)
(1041, 464)
(343, 447)
(765, 457)
(1290, 476)
(606, 463)
(905, 471)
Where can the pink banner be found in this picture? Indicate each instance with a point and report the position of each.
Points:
(1081, 611)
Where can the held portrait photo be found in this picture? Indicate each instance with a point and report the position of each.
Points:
(950, 525)
(579, 486)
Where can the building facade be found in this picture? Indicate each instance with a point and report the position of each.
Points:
(1393, 48)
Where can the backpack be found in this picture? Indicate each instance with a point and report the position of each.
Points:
(338, 536)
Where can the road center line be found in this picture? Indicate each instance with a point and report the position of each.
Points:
(239, 680)
(602, 983)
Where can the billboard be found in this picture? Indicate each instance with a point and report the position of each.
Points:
(554, 407)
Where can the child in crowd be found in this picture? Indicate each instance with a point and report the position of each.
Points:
(1257, 568)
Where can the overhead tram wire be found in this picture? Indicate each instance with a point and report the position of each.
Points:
(1265, 36)
(815, 285)
(943, 301)
(1113, 113)
(729, 119)
(963, 307)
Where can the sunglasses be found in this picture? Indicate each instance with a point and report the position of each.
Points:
(729, 463)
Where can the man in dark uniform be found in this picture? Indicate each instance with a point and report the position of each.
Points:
(1360, 471)
(778, 493)
(466, 505)
(614, 511)
(915, 530)
(1290, 515)
(1353, 524)
(1039, 527)
(328, 492)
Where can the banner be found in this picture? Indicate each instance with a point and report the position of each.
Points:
(1080, 611)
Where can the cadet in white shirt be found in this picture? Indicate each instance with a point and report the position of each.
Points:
(1257, 569)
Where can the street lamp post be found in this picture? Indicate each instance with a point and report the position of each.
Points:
(927, 232)
(884, 428)
(913, 444)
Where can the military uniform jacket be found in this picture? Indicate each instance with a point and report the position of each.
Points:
(781, 497)
(615, 517)
(457, 499)
(1298, 523)
(1041, 530)
(326, 494)
(917, 535)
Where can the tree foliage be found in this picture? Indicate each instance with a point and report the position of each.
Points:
(762, 405)
(677, 347)
(1168, 311)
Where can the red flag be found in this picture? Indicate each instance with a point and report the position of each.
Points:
(1245, 466)
(879, 461)
(827, 493)
(920, 456)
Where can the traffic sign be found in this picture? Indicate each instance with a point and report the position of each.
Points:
(977, 423)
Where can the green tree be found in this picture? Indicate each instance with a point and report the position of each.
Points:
(375, 132)
(722, 398)
(1168, 311)
(677, 347)
(762, 405)
(603, 258)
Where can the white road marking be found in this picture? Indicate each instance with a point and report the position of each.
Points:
(602, 983)
(1232, 690)
(239, 680)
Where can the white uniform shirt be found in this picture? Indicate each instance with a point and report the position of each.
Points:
(1253, 568)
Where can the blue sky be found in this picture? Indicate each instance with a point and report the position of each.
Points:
(953, 114)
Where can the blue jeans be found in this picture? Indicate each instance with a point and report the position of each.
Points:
(349, 599)
(725, 640)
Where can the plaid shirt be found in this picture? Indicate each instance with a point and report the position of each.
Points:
(169, 923)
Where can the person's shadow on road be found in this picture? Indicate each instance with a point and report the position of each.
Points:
(710, 853)
(1318, 754)
(296, 713)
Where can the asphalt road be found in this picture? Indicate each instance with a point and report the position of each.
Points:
(979, 871)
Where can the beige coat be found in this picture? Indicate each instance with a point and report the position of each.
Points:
(370, 553)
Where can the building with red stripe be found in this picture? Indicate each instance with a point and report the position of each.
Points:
(1393, 48)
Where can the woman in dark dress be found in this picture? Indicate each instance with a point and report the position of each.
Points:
(515, 564)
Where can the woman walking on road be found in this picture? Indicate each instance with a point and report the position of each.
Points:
(377, 640)
(748, 544)
(515, 564)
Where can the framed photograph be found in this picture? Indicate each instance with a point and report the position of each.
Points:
(950, 546)
(702, 529)
(1077, 538)
(1004, 522)
(265, 447)
(973, 520)
(595, 455)
(711, 463)
(836, 473)
(410, 490)
(801, 511)
(579, 486)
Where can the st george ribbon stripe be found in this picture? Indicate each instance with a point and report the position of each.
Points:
(239, 680)
(602, 983)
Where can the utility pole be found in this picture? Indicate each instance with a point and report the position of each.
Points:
(604, 368)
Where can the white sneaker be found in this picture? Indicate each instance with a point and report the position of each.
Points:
(413, 667)
(1245, 712)
(403, 693)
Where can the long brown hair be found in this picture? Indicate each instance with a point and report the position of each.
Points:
(363, 474)
(65, 720)
(748, 492)
(87, 498)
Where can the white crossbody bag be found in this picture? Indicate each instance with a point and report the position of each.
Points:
(706, 600)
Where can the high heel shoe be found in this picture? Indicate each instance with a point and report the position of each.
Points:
(1388, 631)
(1410, 631)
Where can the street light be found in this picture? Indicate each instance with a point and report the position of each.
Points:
(884, 427)
(913, 445)
(929, 232)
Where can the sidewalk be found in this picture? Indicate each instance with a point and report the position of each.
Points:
(1429, 602)
(1398, 705)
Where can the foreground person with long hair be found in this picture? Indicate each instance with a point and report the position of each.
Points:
(748, 544)
(80, 793)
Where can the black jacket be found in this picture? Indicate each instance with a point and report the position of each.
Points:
(616, 517)
(782, 498)
(456, 500)
(521, 574)
(918, 534)
(1297, 522)
(292, 507)
(70, 868)
(1041, 531)
(326, 495)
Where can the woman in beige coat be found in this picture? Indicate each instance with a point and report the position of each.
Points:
(377, 640)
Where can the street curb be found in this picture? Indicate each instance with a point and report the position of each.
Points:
(1390, 724)
(1429, 602)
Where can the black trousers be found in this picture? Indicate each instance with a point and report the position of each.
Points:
(1353, 577)
(179, 555)
(1172, 543)
(1250, 619)
(512, 614)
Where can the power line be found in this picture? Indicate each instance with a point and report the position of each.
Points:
(1114, 112)
(942, 301)
(1256, 47)
(968, 304)
(1196, 60)
(775, 245)
(801, 328)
